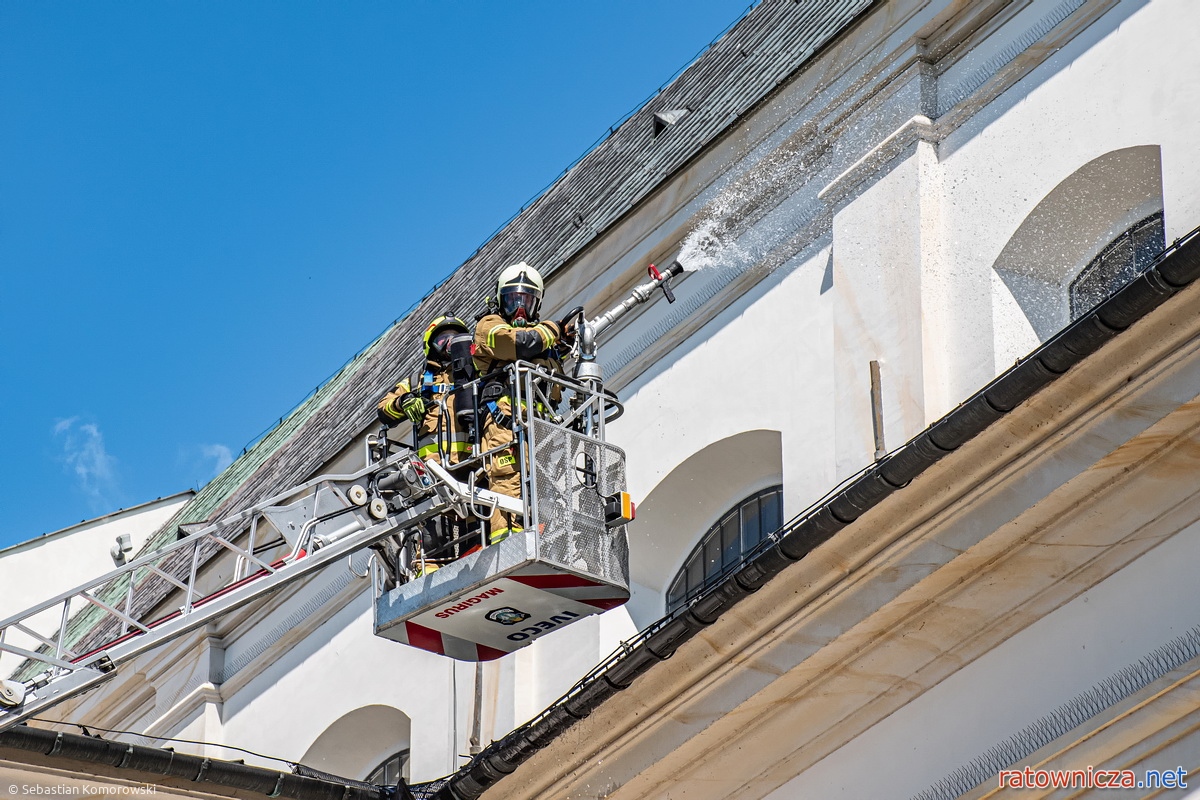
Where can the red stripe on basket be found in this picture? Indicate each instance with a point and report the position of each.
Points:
(604, 603)
(553, 581)
(489, 653)
(424, 638)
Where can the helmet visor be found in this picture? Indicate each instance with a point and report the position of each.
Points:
(439, 345)
(519, 301)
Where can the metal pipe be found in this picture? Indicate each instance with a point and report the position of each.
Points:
(586, 368)
(475, 742)
(639, 295)
(877, 411)
(326, 539)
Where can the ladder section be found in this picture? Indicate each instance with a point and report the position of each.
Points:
(76, 640)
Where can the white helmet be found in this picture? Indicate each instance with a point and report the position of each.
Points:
(519, 292)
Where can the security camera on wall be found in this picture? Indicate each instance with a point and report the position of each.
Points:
(121, 550)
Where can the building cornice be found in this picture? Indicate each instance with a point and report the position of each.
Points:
(811, 168)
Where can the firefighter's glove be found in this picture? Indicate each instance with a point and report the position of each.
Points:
(567, 326)
(413, 407)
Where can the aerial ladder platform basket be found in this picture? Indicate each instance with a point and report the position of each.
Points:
(570, 561)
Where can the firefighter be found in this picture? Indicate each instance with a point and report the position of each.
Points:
(430, 405)
(511, 332)
(427, 400)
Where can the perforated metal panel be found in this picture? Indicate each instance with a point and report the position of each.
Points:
(572, 474)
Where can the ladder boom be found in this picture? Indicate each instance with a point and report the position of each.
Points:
(315, 523)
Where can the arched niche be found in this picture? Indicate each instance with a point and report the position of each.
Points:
(359, 741)
(686, 503)
(1075, 221)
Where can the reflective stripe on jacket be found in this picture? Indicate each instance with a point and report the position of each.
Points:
(439, 432)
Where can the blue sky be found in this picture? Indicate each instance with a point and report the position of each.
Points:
(207, 207)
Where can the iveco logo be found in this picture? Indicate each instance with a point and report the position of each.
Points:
(507, 616)
(538, 628)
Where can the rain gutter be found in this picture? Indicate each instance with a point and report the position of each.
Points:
(146, 764)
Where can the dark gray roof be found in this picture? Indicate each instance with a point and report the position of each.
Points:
(768, 45)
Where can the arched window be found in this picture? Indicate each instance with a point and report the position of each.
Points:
(1049, 272)
(722, 547)
(1122, 260)
(390, 771)
(359, 742)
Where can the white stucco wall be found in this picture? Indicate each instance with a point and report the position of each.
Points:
(1116, 86)
(41, 568)
(340, 668)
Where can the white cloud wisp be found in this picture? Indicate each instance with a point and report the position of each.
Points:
(85, 457)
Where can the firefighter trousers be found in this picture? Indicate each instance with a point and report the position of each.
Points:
(503, 470)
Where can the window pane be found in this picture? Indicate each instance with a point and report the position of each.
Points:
(725, 543)
(731, 542)
(677, 591)
(1117, 264)
(751, 530)
(772, 512)
(674, 601)
(695, 571)
(1148, 241)
(390, 771)
(712, 556)
(1102, 277)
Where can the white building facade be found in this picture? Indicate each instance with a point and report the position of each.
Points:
(925, 193)
(55, 562)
